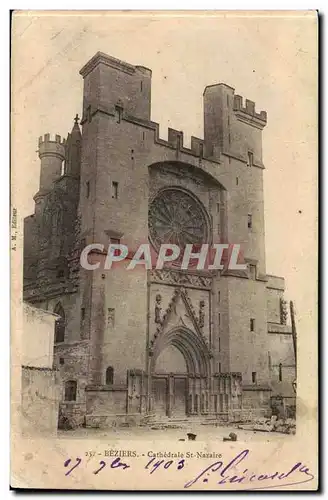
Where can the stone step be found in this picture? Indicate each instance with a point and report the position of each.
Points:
(181, 423)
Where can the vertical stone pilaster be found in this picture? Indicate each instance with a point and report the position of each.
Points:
(129, 392)
(149, 383)
(198, 395)
(97, 328)
(170, 399)
(142, 393)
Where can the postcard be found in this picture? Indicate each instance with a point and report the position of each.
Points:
(164, 250)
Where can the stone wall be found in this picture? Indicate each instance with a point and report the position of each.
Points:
(125, 332)
(118, 83)
(71, 415)
(31, 248)
(274, 291)
(106, 400)
(107, 407)
(40, 401)
(71, 304)
(38, 337)
(282, 361)
(71, 361)
(248, 350)
(273, 301)
(256, 402)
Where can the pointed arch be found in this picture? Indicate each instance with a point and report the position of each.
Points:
(207, 172)
(60, 323)
(193, 348)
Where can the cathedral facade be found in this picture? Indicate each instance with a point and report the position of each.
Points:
(167, 343)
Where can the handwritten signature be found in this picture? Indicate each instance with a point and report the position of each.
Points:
(227, 474)
(219, 473)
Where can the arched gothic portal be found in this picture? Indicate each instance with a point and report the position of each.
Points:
(180, 380)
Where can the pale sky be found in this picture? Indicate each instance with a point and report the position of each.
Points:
(269, 60)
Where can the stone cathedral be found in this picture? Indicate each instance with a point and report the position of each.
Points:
(169, 343)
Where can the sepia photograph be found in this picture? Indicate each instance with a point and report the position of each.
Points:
(163, 246)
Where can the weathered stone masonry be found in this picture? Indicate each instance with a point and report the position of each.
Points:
(163, 342)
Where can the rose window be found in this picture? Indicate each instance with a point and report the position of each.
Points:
(176, 217)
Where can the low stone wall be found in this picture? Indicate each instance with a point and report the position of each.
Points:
(255, 403)
(107, 421)
(106, 406)
(283, 407)
(248, 414)
(106, 400)
(71, 415)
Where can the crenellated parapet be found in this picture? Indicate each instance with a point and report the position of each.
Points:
(51, 138)
(175, 138)
(52, 146)
(197, 146)
(211, 147)
(247, 112)
(122, 91)
(232, 127)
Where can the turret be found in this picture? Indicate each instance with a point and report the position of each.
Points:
(52, 155)
(230, 127)
(111, 85)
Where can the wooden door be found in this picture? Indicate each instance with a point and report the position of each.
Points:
(180, 396)
(160, 395)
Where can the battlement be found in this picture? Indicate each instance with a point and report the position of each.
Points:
(123, 91)
(47, 138)
(175, 139)
(248, 111)
(52, 147)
